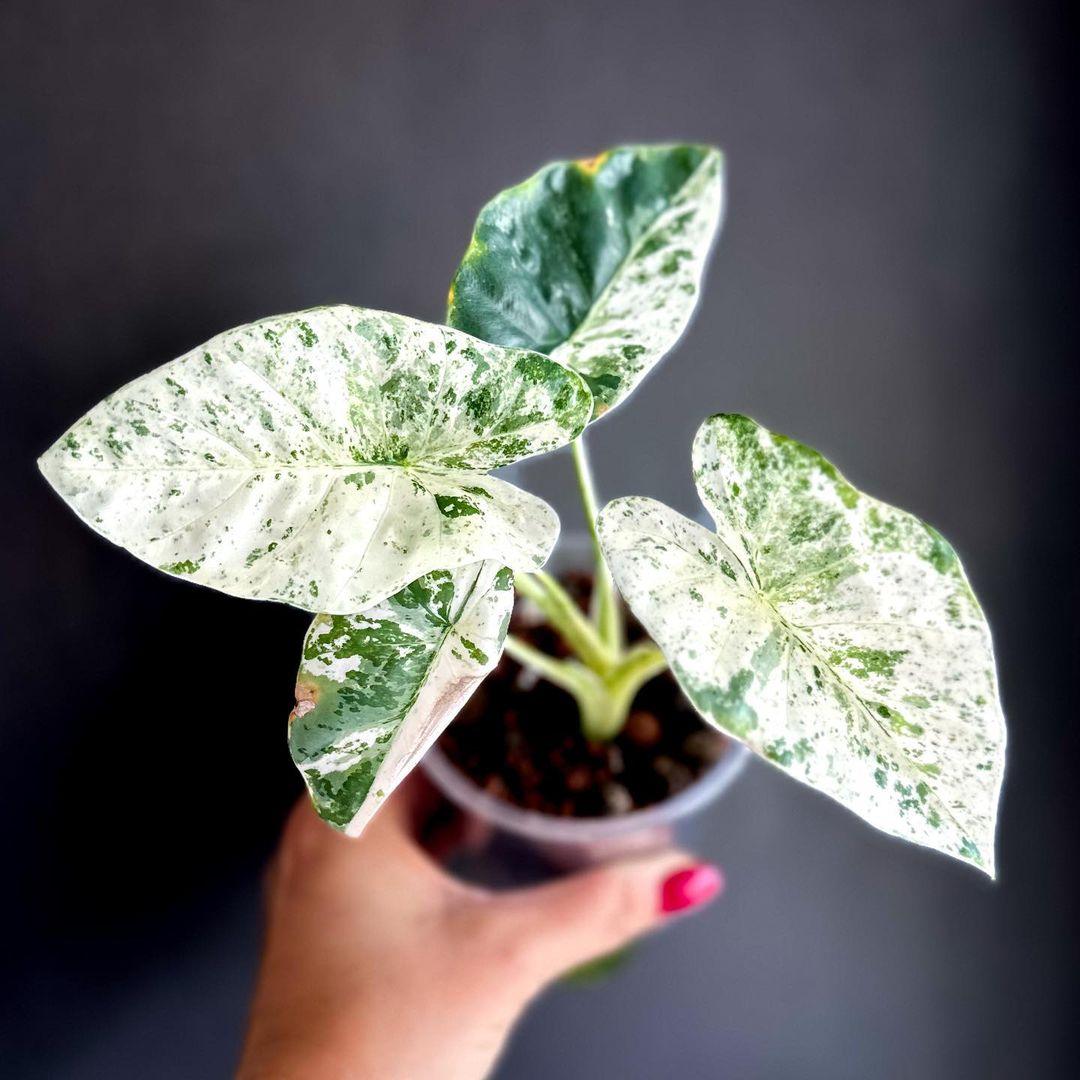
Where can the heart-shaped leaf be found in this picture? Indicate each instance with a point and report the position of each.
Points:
(375, 689)
(835, 635)
(325, 458)
(597, 262)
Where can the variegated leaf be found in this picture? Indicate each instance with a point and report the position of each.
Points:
(836, 635)
(597, 262)
(375, 689)
(325, 458)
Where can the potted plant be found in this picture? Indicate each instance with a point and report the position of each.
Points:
(339, 460)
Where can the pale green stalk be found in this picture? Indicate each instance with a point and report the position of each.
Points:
(604, 676)
(603, 700)
(605, 601)
(567, 619)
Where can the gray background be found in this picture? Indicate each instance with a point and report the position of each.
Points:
(892, 286)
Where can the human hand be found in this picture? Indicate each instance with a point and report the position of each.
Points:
(378, 964)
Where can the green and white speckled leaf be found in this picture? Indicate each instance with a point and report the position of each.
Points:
(376, 689)
(324, 459)
(597, 263)
(835, 635)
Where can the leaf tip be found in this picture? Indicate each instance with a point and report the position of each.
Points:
(591, 165)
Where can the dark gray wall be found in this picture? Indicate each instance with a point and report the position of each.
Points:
(891, 286)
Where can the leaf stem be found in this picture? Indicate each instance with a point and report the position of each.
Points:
(566, 618)
(605, 602)
(604, 720)
(568, 675)
(604, 676)
(603, 700)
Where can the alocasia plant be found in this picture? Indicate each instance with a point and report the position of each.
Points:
(337, 459)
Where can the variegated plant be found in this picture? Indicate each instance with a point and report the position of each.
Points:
(337, 459)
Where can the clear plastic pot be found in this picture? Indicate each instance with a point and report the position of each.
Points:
(524, 841)
(567, 843)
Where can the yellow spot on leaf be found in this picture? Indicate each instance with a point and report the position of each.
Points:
(590, 165)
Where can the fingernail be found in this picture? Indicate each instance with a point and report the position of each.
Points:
(690, 888)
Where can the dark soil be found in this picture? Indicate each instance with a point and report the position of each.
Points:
(519, 738)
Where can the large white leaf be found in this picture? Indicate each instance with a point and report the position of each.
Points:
(835, 635)
(597, 262)
(375, 689)
(324, 458)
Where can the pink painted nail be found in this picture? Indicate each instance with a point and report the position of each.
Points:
(690, 888)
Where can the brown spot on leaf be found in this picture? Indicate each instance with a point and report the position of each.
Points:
(307, 697)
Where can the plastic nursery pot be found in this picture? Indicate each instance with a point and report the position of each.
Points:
(517, 835)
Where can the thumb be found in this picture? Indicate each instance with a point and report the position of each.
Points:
(578, 918)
